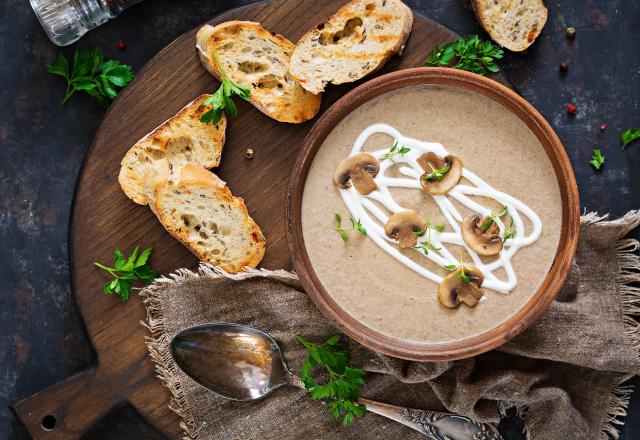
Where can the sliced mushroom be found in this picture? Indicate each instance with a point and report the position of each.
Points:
(454, 290)
(430, 162)
(405, 226)
(359, 169)
(486, 242)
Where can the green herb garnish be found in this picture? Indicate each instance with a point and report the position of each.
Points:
(436, 174)
(342, 389)
(394, 150)
(468, 53)
(597, 159)
(134, 268)
(628, 136)
(91, 73)
(221, 100)
(356, 226)
(493, 217)
(463, 276)
(426, 247)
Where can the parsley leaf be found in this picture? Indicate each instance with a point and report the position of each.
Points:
(597, 159)
(342, 389)
(134, 268)
(222, 100)
(356, 226)
(468, 53)
(92, 74)
(394, 150)
(629, 135)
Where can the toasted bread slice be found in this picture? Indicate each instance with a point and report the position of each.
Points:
(514, 25)
(180, 139)
(353, 43)
(256, 58)
(197, 208)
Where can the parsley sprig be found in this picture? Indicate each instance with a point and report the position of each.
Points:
(468, 53)
(425, 247)
(134, 268)
(222, 100)
(394, 151)
(628, 136)
(342, 388)
(92, 74)
(356, 226)
(597, 159)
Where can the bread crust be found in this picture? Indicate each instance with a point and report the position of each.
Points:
(490, 24)
(191, 175)
(354, 9)
(134, 164)
(292, 103)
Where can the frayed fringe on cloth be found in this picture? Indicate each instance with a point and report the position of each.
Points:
(629, 275)
(159, 342)
(628, 278)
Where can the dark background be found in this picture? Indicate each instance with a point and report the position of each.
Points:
(42, 339)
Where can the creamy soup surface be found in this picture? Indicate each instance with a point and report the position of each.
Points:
(381, 292)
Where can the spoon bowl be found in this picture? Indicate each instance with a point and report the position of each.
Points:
(233, 360)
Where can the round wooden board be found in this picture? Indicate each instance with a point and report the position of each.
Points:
(103, 218)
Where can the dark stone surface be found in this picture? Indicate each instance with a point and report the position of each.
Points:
(43, 340)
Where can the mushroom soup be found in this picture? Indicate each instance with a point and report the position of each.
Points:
(460, 205)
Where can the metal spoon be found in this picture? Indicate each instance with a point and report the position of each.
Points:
(243, 363)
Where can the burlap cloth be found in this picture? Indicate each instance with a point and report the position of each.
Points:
(564, 375)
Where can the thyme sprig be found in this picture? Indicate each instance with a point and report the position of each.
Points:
(356, 226)
(436, 174)
(394, 151)
(426, 247)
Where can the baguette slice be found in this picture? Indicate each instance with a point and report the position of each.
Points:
(197, 208)
(180, 139)
(512, 24)
(252, 56)
(353, 43)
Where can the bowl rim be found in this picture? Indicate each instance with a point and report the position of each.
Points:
(424, 350)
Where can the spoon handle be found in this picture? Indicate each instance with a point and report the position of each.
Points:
(435, 425)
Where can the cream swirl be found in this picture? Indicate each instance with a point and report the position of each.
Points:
(373, 217)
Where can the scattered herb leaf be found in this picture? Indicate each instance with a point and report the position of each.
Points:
(628, 136)
(222, 100)
(394, 150)
(342, 389)
(597, 159)
(468, 53)
(450, 266)
(92, 74)
(134, 268)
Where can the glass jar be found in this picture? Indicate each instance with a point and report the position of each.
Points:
(65, 21)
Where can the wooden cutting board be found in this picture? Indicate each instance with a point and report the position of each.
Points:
(103, 218)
